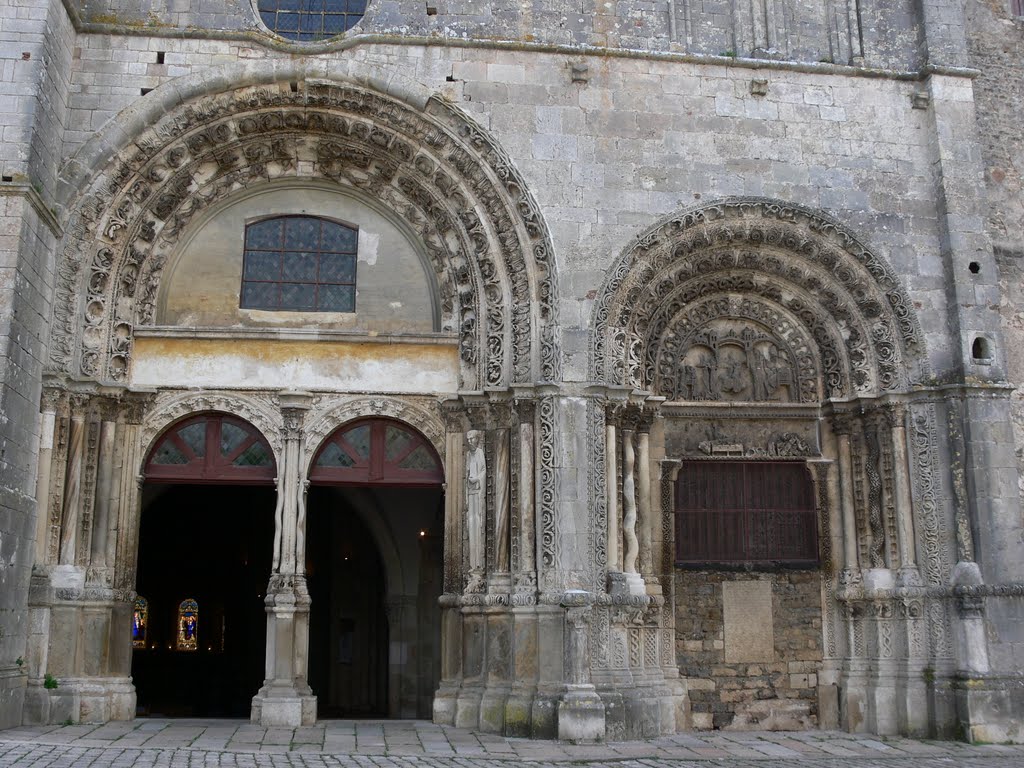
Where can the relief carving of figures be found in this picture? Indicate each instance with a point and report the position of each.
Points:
(476, 495)
(727, 362)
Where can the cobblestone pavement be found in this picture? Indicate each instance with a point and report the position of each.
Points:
(418, 744)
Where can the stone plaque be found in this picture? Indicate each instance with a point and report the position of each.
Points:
(747, 614)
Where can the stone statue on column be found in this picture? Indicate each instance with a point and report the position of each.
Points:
(476, 498)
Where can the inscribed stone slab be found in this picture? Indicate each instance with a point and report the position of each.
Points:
(747, 613)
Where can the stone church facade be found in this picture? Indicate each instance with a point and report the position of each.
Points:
(587, 372)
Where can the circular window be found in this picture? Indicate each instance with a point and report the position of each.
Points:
(310, 20)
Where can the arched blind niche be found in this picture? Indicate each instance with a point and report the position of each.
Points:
(211, 448)
(377, 452)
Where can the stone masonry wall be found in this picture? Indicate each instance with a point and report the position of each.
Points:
(639, 139)
(996, 46)
(801, 30)
(777, 693)
(35, 62)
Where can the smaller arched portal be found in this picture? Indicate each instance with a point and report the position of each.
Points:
(761, 359)
(205, 546)
(373, 569)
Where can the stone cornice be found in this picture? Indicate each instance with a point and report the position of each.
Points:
(294, 334)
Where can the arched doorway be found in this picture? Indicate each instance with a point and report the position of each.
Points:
(373, 567)
(205, 548)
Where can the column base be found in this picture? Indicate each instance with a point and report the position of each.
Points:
(581, 717)
(626, 584)
(79, 700)
(990, 708)
(283, 709)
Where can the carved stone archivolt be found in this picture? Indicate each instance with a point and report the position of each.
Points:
(329, 414)
(443, 175)
(754, 299)
(169, 407)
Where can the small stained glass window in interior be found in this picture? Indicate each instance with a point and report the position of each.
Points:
(140, 622)
(307, 21)
(188, 625)
(299, 264)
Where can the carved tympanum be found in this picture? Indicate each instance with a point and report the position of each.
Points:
(732, 362)
(836, 314)
(443, 175)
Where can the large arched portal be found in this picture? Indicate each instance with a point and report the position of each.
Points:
(374, 571)
(205, 547)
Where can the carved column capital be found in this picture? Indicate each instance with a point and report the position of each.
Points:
(499, 414)
(876, 418)
(477, 415)
(292, 419)
(134, 406)
(613, 412)
(525, 409)
(79, 402)
(630, 418)
(844, 423)
(54, 400)
(893, 414)
(453, 415)
(107, 408)
(646, 417)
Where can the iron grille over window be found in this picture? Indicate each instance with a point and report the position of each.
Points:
(735, 512)
(299, 263)
(311, 20)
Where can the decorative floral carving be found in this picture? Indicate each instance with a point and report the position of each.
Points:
(546, 492)
(170, 407)
(803, 267)
(480, 228)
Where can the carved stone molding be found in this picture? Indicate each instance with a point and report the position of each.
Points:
(170, 407)
(819, 302)
(443, 175)
(329, 413)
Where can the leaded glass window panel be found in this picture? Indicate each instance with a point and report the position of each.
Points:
(194, 436)
(359, 438)
(334, 456)
(169, 454)
(420, 458)
(213, 447)
(310, 20)
(256, 455)
(395, 442)
(231, 436)
(377, 451)
(299, 264)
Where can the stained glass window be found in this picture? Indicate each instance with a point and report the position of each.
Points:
(211, 447)
(188, 625)
(299, 264)
(140, 622)
(311, 20)
(377, 451)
